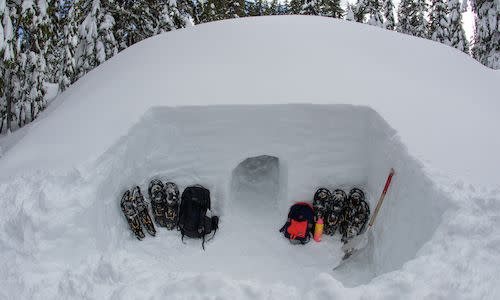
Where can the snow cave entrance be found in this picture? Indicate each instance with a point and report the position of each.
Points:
(255, 184)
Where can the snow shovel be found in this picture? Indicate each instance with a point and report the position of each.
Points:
(360, 241)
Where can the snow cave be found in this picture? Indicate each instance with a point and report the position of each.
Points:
(257, 161)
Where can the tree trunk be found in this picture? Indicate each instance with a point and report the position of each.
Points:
(9, 112)
(8, 99)
(20, 117)
(32, 111)
(1, 125)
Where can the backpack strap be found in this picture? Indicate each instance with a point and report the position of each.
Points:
(182, 237)
(215, 226)
(286, 224)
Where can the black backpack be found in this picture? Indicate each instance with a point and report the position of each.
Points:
(193, 221)
(299, 224)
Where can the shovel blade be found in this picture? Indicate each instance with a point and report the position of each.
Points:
(356, 243)
(352, 246)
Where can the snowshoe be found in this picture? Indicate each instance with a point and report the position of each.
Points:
(157, 198)
(334, 208)
(171, 192)
(357, 194)
(142, 211)
(130, 212)
(355, 215)
(321, 196)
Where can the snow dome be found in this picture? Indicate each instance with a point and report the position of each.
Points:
(342, 105)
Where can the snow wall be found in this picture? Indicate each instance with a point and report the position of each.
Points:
(351, 146)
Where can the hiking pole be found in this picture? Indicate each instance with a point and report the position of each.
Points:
(360, 241)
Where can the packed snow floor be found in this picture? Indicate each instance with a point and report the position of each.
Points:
(63, 234)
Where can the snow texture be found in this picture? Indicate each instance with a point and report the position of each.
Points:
(62, 232)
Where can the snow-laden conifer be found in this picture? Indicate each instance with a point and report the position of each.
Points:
(438, 22)
(457, 32)
(486, 47)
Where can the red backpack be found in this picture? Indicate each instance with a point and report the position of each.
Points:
(299, 225)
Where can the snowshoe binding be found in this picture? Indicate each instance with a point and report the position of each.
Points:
(157, 198)
(142, 211)
(334, 209)
(171, 192)
(130, 212)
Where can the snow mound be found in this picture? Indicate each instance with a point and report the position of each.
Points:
(148, 113)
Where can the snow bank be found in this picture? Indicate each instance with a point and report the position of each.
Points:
(146, 113)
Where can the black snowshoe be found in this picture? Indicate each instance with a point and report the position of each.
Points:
(355, 215)
(171, 192)
(157, 198)
(131, 215)
(142, 211)
(334, 209)
(321, 197)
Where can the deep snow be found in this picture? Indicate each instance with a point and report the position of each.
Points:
(387, 100)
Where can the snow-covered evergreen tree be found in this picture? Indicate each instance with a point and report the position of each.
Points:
(11, 83)
(311, 7)
(163, 17)
(212, 10)
(5, 31)
(349, 16)
(373, 9)
(97, 40)
(273, 8)
(411, 17)
(332, 8)
(56, 16)
(197, 10)
(3, 8)
(141, 19)
(457, 33)
(486, 47)
(388, 11)
(295, 7)
(438, 22)
(182, 12)
(359, 10)
(36, 26)
(69, 44)
(284, 8)
(420, 22)
(235, 9)
(405, 9)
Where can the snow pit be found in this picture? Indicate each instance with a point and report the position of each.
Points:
(257, 161)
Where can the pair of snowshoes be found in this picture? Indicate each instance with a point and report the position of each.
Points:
(329, 207)
(347, 214)
(164, 203)
(136, 212)
(356, 214)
